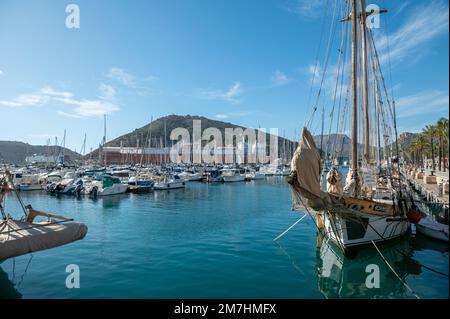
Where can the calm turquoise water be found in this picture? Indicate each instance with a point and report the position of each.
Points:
(210, 241)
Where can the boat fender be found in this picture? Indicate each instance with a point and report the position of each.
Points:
(414, 216)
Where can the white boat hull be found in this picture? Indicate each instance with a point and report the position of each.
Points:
(433, 229)
(168, 185)
(362, 230)
(113, 190)
(255, 176)
(234, 178)
(30, 187)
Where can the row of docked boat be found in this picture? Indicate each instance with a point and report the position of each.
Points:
(103, 181)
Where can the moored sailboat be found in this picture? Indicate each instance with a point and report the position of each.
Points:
(371, 207)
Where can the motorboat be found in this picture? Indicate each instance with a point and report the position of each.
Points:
(231, 175)
(190, 176)
(254, 175)
(140, 184)
(170, 182)
(213, 176)
(110, 185)
(30, 183)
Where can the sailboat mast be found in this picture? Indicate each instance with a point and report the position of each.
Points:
(104, 137)
(365, 82)
(377, 119)
(354, 91)
(321, 133)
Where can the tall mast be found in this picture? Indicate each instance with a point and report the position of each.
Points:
(354, 91)
(321, 134)
(104, 129)
(365, 82)
(104, 138)
(63, 146)
(377, 119)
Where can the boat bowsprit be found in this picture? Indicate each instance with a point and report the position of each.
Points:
(27, 235)
(22, 237)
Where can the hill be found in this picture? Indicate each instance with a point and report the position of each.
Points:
(406, 139)
(342, 142)
(13, 152)
(159, 131)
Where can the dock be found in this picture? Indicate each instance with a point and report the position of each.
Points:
(434, 186)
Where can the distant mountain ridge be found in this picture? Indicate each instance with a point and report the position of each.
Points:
(342, 144)
(14, 152)
(339, 143)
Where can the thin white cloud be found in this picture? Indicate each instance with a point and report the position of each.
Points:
(122, 76)
(69, 115)
(24, 100)
(231, 95)
(423, 103)
(425, 23)
(402, 7)
(223, 116)
(310, 9)
(50, 91)
(104, 104)
(1, 72)
(90, 108)
(131, 83)
(107, 92)
(279, 78)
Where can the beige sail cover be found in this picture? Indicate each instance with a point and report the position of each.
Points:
(305, 169)
(19, 238)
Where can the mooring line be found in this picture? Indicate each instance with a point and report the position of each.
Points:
(395, 273)
(283, 233)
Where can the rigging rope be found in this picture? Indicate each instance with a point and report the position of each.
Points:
(317, 59)
(395, 273)
(327, 55)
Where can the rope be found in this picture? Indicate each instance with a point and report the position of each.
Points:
(283, 233)
(317, 60)
(8, 175)
(395, 273)
(25, 272)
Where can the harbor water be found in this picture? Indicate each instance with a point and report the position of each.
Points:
(211, 241)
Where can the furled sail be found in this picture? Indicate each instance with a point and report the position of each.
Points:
(305, 174)
(19, 237)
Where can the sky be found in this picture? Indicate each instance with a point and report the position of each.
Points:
(247, 62)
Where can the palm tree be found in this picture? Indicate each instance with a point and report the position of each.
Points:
(430, 131)
(442, 134)
(418, 147)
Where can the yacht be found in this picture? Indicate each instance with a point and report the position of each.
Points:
(214, 176)
(170, 182)
(230, 175)
(110, 185)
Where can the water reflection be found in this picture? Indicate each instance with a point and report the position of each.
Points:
(111, 201)
(340, 277)
(7, 287)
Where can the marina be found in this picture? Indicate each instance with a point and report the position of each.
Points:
(168, 244)
(246, 150)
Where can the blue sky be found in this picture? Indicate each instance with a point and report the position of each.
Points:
(243, 61)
